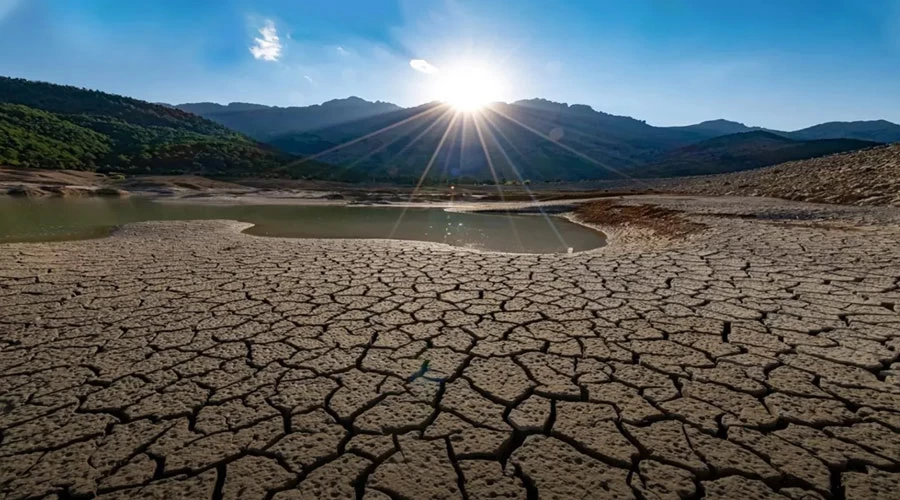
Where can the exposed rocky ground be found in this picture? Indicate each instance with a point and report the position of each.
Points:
(866, 177)
(35, 183)
(757, 358)
(662, 222)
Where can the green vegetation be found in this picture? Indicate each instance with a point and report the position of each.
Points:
(35, 138)
(43, 125)
(60, 127)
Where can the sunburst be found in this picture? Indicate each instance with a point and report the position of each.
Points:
(469, 87)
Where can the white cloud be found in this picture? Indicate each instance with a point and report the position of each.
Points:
(342, 51)
(309, 79)
(267, 48)
(423, 66)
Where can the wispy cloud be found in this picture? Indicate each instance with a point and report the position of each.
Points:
(309, 79)
(342, 51)
(267, 48)
(423, 66)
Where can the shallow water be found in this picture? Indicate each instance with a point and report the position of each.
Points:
(54, 219)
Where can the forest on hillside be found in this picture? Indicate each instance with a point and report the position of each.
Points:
(44, 125)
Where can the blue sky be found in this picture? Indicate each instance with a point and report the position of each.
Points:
(782, 64)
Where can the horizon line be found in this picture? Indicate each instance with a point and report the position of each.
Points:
(511, 102)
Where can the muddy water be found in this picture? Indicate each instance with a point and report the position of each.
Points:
(54, 219)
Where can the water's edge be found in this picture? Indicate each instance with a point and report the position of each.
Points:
(480, 229)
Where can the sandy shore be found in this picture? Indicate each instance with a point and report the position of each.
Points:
(756, 358)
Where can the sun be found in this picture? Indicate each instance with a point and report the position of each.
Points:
(469, 87)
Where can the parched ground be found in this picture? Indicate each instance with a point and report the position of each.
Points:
(757, 358)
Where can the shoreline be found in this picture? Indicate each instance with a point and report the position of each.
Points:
(489, 209)
(65, 183)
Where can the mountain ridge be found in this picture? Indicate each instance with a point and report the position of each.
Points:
(533, 139)
(876, 130)
(719, 126)
(745, 151)
(264, 122)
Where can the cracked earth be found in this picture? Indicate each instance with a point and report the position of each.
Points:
(755, 359)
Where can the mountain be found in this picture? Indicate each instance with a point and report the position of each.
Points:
(535, 139)
(875, 130)
(562, 107)
(584, 122)
(208, 108)
(264, 122)
(432, 138)
(540, 140)
(54, 126)
(744, 151)
(716, 127)
(399, 146)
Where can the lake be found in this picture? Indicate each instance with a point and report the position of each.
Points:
(55, 219)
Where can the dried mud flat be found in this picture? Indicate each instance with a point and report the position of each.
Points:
(756, 358)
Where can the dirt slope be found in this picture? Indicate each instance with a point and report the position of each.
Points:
(865, 177)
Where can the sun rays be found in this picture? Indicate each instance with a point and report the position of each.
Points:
(467, 85)
(487, 122)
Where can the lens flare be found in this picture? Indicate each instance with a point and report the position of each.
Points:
(469, 87)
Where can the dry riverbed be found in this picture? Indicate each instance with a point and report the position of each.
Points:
(754, 355)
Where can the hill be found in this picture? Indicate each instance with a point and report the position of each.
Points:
(400, 146)
(875, 130)
(527, 140)
(744, 151)
(881, 131)
(540, 140)
(55, 126)
(264, 122)
(866, 177)
(716, 127)
(210, 108)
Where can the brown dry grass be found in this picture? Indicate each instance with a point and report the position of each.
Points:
(662, 221)
(50, 177)
(193, 182)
